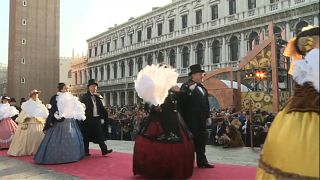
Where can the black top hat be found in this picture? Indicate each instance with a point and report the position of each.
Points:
(92, 82)
(195, 69)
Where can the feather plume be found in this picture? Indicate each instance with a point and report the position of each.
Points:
(153, 83)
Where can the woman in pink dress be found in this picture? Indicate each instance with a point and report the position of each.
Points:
(7, 125)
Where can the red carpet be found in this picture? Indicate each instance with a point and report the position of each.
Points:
(119, 166)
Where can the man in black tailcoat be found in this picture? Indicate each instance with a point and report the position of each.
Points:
(96, 115)
(194, 107)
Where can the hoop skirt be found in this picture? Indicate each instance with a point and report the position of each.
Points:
(62, 143)
(156, 159)
(291, 149)
(27, 138)
(7, 130)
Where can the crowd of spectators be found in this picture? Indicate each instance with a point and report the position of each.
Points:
(226, 127)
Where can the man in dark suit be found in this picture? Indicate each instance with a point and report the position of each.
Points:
(194, 107)
(92, 127)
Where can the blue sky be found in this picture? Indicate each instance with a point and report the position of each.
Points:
(82, 19)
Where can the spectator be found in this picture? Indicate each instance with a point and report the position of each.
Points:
(232, 137)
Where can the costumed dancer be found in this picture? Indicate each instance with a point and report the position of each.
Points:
(163, 147)
(30, 121)
(194, 107)
(7, 125)
(291, 150)
(94, 127)
(63, 140)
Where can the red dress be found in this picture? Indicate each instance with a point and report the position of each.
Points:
(158, 157)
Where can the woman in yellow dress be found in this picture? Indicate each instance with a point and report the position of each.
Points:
(29, 133)
(291, 150)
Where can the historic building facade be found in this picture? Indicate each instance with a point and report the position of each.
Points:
(33, 61)
(214, 33)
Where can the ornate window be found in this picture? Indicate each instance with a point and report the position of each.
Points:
(140, 64)
(234, 48)
(251, 4)
(115, 70)
(216, 51)
(108, 72)
(159, 29)
(232, 7)
(149, 32)
(149, 59)
(171, 25)
(101, 73)
(123, 69)
(139, 36)
(277, 32)
(185, 57)
(199, 17)
(199, 54)
(160, 57)
(184, 19)
(214, 12)
(96, 73)
(172, 58)
(130, 67)
(101, 49)
(108, 46)
(300, 25)
(253, 39)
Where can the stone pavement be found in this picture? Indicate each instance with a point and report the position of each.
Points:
(11, 168)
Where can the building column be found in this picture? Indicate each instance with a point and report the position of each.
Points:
(118, 98)
(206, 54)
(242, 46)
(111, 71)
(134, 97)
(178, 58)
(87, 75)
(99, 74)
(111, 99)
(135, 67)
(126, 100)
(316, 20)
(224, 51)
(126, 65)
(119, 70)
(144, 62)
(192, 55)
(165, 57)
(288, 35)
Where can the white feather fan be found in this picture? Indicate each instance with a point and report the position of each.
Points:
(35, 109)
(7, 111)
(153, 83)
(70, 107)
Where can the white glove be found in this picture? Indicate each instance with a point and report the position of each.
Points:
(193, 86)
(102, 121)
(48, 106)
(56, 115)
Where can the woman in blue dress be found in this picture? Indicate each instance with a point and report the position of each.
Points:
(63, 142)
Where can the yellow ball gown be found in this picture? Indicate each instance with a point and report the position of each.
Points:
(291, 150)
